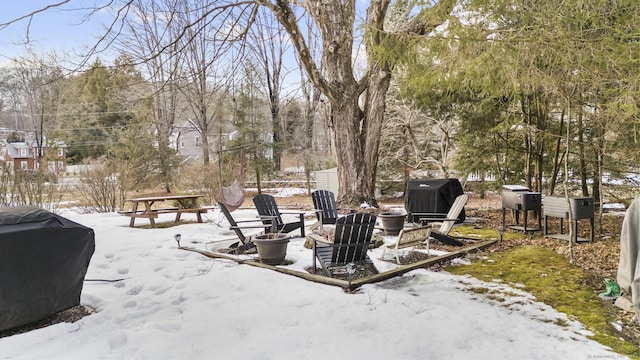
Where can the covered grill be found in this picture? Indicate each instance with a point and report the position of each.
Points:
(433, 196)
(43, 260)
(521, 199)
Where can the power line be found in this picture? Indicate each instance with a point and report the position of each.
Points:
(14, 113)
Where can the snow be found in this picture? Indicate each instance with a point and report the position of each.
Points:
(177, 304)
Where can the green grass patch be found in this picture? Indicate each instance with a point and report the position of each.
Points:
(472, 232)
(552, 280)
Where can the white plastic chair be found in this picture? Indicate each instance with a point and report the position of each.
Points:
(446, 224)
(407, 238)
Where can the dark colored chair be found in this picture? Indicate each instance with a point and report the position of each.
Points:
(268, 210)
(350, 242)
(324, 204)
(237, 228)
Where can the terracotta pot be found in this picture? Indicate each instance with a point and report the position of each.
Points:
(392, 223)
(272, 248)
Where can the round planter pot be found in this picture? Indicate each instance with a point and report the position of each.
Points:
(272, 248)
(392, 223)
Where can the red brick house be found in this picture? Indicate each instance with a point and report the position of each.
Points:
(24, 155)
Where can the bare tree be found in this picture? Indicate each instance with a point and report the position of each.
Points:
(206, 64)
(417, 138)
(310, 94)
(357, 104)
(140, 38)
(40, 82)
(269, 43)
(357, 100)
(12, 99)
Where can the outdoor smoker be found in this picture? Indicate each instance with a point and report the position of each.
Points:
(520, 199)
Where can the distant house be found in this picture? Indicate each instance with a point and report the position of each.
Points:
(24, 155)
(187, 140)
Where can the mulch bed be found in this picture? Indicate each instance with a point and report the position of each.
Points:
(70, 315)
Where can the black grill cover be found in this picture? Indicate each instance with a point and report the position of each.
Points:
(43, 260)
(432, 196)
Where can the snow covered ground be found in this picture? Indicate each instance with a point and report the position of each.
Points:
(177, 304)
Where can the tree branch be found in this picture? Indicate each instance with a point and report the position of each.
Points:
(32, 14)
(287, 18)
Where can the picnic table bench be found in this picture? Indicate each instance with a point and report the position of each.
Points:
(186, 204)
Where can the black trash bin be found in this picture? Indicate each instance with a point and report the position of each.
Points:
(433, 196)
(43, 261)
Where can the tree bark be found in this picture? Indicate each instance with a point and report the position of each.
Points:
(556, 157)
(374, 114)
(349, 151)
(581, 155)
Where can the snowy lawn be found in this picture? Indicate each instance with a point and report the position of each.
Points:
(177, 304)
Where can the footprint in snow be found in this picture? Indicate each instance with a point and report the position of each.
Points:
(161, 291)
(169, 327)
(135, 290)
(118, 340)
(129, 304)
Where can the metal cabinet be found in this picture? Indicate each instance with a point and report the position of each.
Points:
(520, 199)
(558, 207)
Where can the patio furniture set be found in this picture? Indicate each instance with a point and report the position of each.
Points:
(342, 237)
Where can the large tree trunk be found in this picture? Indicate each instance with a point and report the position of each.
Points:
(375, 106)
(357, 136)
(346, 121)
(357, 132)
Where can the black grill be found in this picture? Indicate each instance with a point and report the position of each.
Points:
(432, 196)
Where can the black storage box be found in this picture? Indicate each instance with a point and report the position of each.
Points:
(519, 198)
(558, 207)
(433, 196)
(43, 261)
(522, 200)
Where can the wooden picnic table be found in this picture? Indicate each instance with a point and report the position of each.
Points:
(186, 204)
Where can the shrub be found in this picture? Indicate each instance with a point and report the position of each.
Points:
(101, 187)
